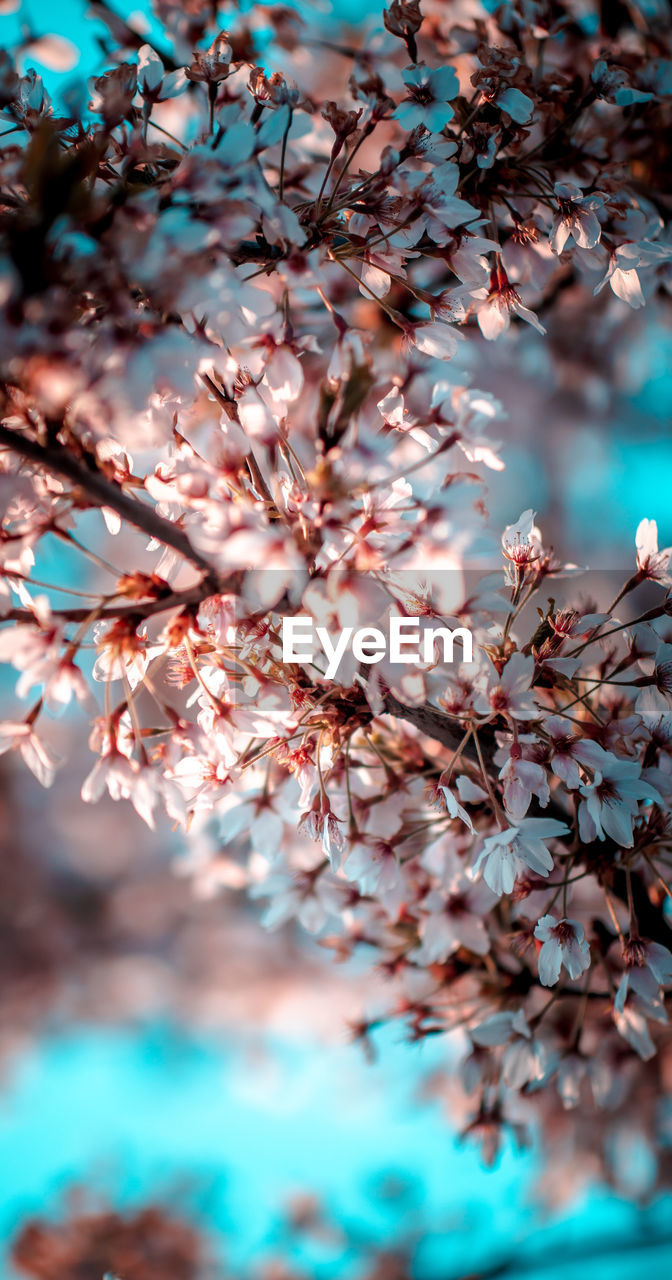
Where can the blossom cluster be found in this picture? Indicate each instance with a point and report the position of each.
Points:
(229, 305)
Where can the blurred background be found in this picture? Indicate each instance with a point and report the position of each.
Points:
(180, 1092)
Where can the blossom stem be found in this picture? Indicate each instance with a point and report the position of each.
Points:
(575, 1037)
(50, 586)
(517, 607)
(213, 90)
(167, 134)
(291, 457)
(325, 179)
(634, 929)
(458, 753)
(348, 161)
(497, 809)
(87, 622)
(538, 1017)
(383, 305)
(612, 913)
(657, 874)
(605, 635)
(560, 884)
(415, 466)
(66, 536)
(581, 106)
(259, 755)
(582, 699)
(352, 821)
(629, 586)
(214, 702)
(283, 156)
(133, 712)
(565, 886)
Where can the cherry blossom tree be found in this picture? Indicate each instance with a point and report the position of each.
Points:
(234, 285)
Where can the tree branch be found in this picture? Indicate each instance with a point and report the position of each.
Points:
(436, 724)
(140, 609)
(105, 493)
(126, 34)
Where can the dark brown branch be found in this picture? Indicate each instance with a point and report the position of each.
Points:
(126, 34)
(139, 609)
(105, 493)
(436, 724)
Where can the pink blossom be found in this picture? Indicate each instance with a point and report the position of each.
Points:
(521, 779)
(576, 218)
(506, 854)
(570, 753)
(610, 803)
(429, 92)
(20, 736)
(563, 943)
(651, 562)
(508, 694)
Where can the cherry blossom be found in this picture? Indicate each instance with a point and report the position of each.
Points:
(563, 945)
(521, 542)
(20, 736)
(625, 263)
(508, 693)
(506, 854)
(610, 802)
(244, 325)
(498, 302)
(429, 93)
(454, 922)
(651, 562)
(576, 217)
(648, 967)
(569, 754)
(521, 780)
